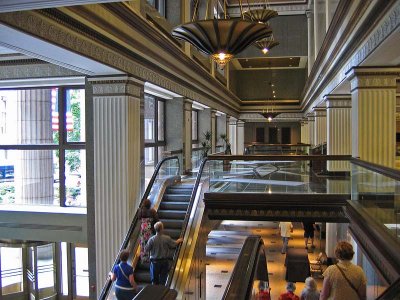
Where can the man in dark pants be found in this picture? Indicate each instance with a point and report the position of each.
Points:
(159, 246)
(309, 228)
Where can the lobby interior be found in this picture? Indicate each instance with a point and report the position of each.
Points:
(104, 103)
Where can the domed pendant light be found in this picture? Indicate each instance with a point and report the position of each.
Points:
(260, 15)
(221, 38)
(266, 44)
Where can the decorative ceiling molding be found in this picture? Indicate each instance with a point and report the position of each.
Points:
(282, 117)
(292, 9)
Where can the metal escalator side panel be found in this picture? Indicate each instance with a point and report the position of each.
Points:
(182, 270)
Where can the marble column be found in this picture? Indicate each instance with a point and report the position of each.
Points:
(213, 130)
(373, 102)
(34, 169)
(338, 111)
(118, 153)
(240, 138)
(319, 25)
(311, 47)
(187, 136)
(311, 126)
(320, 126)
(233, 134)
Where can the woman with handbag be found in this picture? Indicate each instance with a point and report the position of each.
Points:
(125, 285)
(344, 280)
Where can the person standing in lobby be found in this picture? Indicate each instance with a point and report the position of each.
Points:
(309, 228)
(159, 246)
(344, 280)
(285, 230)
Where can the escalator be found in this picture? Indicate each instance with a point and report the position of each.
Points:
(173, 201)
(249, 279)
(172, 211)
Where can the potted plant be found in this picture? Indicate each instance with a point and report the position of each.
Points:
(226, 163)
(206, 144)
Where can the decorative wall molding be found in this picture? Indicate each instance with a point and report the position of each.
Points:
(34, 69)
(117, 87)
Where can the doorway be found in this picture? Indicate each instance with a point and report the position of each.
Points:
(260, 135)
(286, 135)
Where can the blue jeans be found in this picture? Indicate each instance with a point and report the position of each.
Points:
(159, 271)
(285, 241)
(124, 294)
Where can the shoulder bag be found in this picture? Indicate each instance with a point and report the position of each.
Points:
(348, 281)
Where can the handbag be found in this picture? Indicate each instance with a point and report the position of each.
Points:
(348, 281)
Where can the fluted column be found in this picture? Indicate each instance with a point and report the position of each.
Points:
(320, 126)
(213, 130)
(240, 138)
(233, 134)
(34, 168)
(311, 47)
(118, 151)
(311, 126)
(319, 24)
(338, 108)
(187, 136)
(373, 99)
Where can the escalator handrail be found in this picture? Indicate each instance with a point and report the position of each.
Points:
(242, 277)
(392, 292)
(187, 216)
(125, 243)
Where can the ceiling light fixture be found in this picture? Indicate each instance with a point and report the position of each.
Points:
(260, 15)
(267, 44)
(221, 37)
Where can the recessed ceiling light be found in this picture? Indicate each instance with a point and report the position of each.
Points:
(291, 58)
(272, 85)
(273, 92)
(274, 96)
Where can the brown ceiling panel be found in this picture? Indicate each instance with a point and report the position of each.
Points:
(269, 62)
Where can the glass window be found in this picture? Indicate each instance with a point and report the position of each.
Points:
(29, 177)
(149, 118)
(75, 115)
(75, 178)
(28, 116)
(82, 271)
(64, 268)
(160, 120)
(195, 128)
(11, 270)
(45, 267)
(30, 174)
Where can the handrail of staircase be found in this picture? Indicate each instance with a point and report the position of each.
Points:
(392, 292)
(186, 221)
(240, 284)
(124, 245)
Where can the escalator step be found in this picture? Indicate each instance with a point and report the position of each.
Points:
(179, 191)
(176, 197)
(171, 214)
(174, 206)
(142, 276)
(171, 223)
(142, 266)
(173, 233)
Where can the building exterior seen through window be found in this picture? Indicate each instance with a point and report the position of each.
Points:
(42, 148)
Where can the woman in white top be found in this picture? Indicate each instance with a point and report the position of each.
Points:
(344, 280)
(285, 229)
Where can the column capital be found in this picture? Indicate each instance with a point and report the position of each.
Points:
(213, 113)
(309, 13)
(240, 123)
(187, 104)
(320, 112)
(372, 78)
(232, 121)
(304, 121)
(310, 117)
(187, 100)
(337, 101)
(117, 86)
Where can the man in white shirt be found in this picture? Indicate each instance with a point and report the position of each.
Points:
(285, 230)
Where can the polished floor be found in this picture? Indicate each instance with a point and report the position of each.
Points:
(224, 245)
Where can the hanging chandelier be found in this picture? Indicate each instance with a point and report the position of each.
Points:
(267, 44)
(221, 38)
(260, 15)
(270, 114)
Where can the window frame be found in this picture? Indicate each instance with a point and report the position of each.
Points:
(63, 145)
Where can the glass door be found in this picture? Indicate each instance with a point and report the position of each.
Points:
(12, 276)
